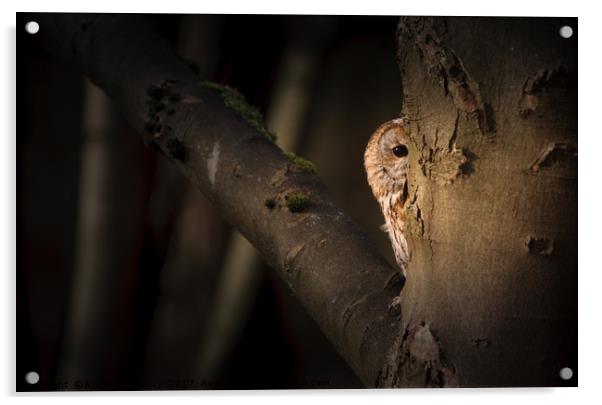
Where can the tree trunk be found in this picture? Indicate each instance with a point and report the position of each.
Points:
(490, 297)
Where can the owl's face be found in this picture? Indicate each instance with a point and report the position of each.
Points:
(386, 158)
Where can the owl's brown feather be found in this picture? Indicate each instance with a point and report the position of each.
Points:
(386, 172)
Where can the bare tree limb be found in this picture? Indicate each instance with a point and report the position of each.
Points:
(281, 208)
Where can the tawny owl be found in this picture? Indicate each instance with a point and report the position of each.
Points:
(386, 162)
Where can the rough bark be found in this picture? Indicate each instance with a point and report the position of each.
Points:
(490, 297)
(323, 256)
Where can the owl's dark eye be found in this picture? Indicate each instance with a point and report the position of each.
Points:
(400, 151)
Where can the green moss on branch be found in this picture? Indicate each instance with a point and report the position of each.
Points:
(237, 103)
(300, 163)
(297, 202)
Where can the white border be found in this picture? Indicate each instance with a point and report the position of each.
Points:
(590, 145)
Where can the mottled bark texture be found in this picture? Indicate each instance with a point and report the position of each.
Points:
(491, 291)
(281, 208)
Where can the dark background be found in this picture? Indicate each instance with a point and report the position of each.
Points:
(125, 274)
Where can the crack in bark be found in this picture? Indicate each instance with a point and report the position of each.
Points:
(536, 86)
(426, 34)
(445, 164)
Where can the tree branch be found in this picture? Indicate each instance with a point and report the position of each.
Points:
(276, 204)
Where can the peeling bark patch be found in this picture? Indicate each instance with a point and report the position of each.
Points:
(293, 252)
(416, 226)
(159, 110)
(528, 104)
(426, 35)
(536, 85)
(395, 307)
(464, 96)
(540, 246)
(212, 162)
(481, 342)
(279, 176)
(289, 265)
(561, 156)
(467, 168)
(444, 167)
(158, 105)
(417, 362)
(423, 345)
(444, 164)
